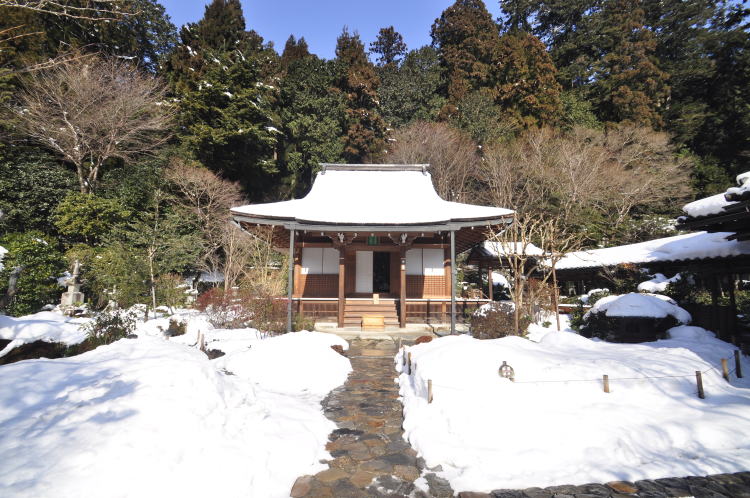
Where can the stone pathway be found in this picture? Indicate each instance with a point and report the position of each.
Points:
(370, 456)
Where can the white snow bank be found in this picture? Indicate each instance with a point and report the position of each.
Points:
(150, 417)
(47, 326)
(500, 279)
(658, 283)
(586, 297)
(645, 305)
(292, 363)
(549, 427)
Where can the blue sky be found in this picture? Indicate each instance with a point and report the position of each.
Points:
(321, 21)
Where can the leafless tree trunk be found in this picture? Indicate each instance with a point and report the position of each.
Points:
(89, 109)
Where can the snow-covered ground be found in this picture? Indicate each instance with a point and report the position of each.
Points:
(556, 425)
(48, 326)
(155, 417)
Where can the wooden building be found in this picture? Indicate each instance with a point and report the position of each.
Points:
(373, 240)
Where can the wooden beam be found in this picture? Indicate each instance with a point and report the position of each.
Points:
(402, 287)
(489, 283)
(342, 283)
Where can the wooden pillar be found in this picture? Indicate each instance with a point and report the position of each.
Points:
(489, 283)
(290, 280)
(342, 284)
(715, 325)
(733, 304)
(453, 282)
(402, 287)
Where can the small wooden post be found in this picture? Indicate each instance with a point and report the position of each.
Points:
(399, 343)
(605, 379)
(725, 369)
(201, 342)
(403, 356)
(408, 363)
(699, 381)
(737, 364)
(429, 391)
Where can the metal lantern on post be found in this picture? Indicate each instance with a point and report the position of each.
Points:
(507, 372)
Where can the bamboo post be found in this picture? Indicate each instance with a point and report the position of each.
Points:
(605, 379)
(699, 381)
(725, 369)
(408, 363)
(429, 391)
(737, 364)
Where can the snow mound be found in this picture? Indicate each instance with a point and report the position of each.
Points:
(47, 326)
(640, 305)
(150, 417)
(658, 283)
(285, 363)
(554, 425)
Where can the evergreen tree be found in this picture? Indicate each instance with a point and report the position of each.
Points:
(526, 81)
(294, 50)
(411, 92)
(684, 40)
(224, 77)
(467, 38)
(629, 85)
(364, 128)
(228, 122)
(389, 46)
(566, 27)
(311, 121)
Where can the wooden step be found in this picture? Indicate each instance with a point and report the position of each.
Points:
(374, 309)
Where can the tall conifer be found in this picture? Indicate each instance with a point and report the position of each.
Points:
(467, 38)
(365, 129)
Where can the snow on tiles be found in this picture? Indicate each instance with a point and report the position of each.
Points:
(156, 417)
(555, 425)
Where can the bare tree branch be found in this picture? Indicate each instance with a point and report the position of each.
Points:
(98, 10)
(89, 109)
(452, 155)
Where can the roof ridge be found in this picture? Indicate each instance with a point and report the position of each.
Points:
(373, 167)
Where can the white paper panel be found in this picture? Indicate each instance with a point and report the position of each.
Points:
(364, 272)
(312, 260)
(414, 262)
(330, 261)
(433, 262)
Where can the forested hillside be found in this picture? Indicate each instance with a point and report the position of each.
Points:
(125, 140)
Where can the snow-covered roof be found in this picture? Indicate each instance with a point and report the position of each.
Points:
(715, 204)
(687, 246)
(3, 252)
(641, 305)
(371, 195)
(496, 248)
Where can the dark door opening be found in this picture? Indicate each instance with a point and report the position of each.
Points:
(381, 272)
